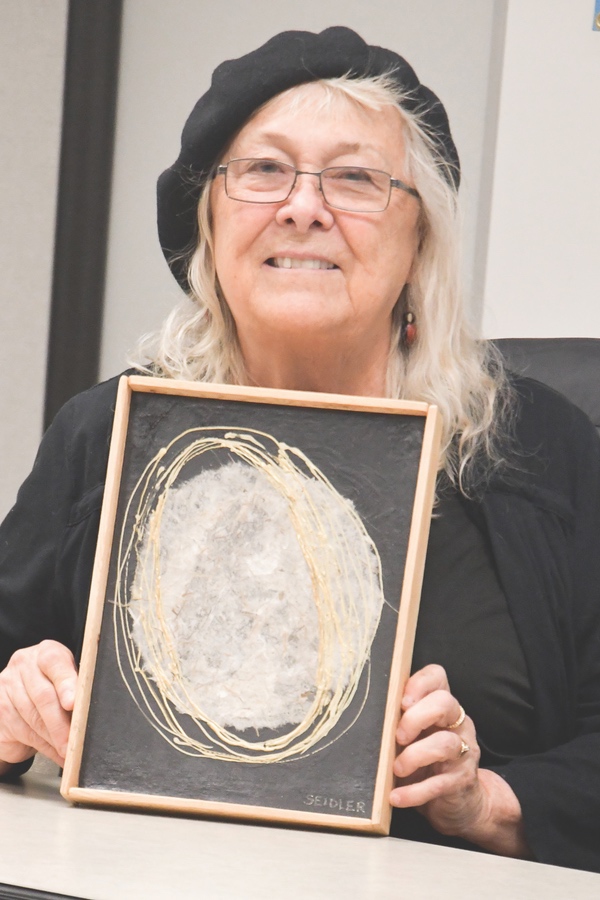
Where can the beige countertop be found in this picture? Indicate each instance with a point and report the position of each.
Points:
(98, 854)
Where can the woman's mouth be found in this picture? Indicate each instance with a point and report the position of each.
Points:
(292, 262)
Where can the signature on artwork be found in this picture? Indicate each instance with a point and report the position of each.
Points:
(337, 803)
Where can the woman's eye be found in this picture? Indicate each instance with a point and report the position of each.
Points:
(358, 176)
(265, 167)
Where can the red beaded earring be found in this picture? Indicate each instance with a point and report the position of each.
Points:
(408, 333)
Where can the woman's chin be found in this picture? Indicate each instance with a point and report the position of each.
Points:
(307, 332)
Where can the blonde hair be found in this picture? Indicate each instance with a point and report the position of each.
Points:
(447, 365)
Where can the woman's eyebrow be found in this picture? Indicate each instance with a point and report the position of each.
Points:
(340, 148)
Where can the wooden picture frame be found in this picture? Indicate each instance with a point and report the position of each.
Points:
(189, 671)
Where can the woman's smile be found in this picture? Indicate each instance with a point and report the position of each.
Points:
(295, 262)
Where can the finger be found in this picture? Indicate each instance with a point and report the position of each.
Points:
(15, 734)
(58, 665)
(420, 792)
(428, 679)
(18, 752)
(22, 719)
(435, 710)
(443, 749)
(23, 731)
(44, 712)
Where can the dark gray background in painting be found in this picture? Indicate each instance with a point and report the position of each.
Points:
(371, 458)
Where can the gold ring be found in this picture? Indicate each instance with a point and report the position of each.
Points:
(464, 748)
(460, 720)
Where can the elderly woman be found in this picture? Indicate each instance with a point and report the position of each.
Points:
(311, 220)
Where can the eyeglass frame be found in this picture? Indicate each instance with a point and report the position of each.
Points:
(394, 183)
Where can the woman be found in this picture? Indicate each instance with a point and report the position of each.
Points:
(310, 218)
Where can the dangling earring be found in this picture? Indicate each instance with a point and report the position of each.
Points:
(408, 332)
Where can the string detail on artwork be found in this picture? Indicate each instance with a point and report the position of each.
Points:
(247, 599)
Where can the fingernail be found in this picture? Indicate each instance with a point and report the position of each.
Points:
(401, 736)
(408, 700)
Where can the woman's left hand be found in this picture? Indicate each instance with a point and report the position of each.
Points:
(438, 770)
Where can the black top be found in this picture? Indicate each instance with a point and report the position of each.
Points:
(540, 519)
(464, 625)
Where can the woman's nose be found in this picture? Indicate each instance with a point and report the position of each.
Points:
(306, 206)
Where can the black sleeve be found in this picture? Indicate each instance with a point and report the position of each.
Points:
(29, 540)
(559, 788)
(47, 541)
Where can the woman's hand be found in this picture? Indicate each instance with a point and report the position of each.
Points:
(438, 770)
(37, 692)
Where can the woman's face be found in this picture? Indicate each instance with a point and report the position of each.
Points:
(368, 255)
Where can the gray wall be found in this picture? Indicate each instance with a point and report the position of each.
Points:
(32, 46)
(543, 250)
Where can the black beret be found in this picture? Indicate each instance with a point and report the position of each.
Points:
(241, 86)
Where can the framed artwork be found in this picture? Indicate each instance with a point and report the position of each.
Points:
(253, 603)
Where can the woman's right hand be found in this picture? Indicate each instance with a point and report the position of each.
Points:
(37, 692)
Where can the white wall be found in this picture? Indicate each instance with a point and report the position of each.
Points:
(168, 53)
(32, 45)
(543, 274)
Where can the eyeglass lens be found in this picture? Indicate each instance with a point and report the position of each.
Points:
(353, 188)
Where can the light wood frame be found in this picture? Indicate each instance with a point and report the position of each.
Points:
(378, 821)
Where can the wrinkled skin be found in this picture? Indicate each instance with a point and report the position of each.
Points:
(37, 692)
(447, 786)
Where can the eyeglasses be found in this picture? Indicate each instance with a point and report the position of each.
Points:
(351, 188)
